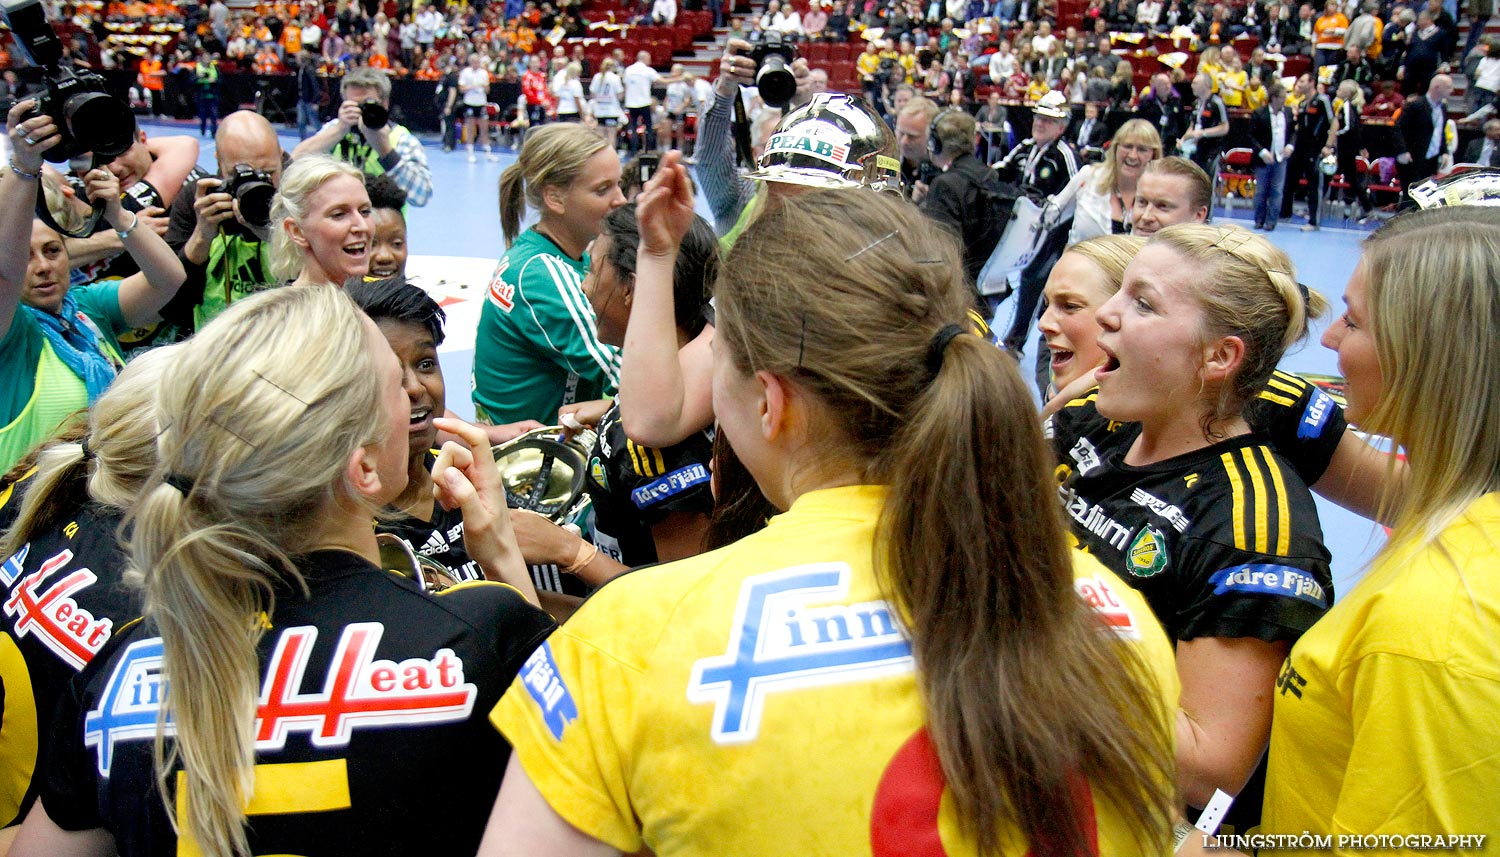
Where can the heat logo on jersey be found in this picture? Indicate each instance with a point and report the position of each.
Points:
(1268, 579)
(502, 293)
(359, 692)
(1098, 594)
(779, 642)
(52, 615)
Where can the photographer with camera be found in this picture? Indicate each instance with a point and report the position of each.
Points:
(221, 230)
(363, 135)
(59, 347)
(729, 194)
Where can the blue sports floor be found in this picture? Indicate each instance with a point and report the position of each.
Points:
(462, 220)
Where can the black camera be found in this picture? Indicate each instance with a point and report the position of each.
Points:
(774, 55)
(649, 162)
(252, 189)
(374, 115)
(87, 117)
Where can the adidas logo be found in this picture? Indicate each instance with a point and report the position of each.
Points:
(435, 544)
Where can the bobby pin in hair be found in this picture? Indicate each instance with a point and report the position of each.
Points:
(296, 397)
(88, 451)
(237, 436)
(182, 483)
(802, 341)
(868, 247)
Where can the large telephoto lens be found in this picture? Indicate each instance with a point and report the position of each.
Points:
(774, 81)
(100, 123)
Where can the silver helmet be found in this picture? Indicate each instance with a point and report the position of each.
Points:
(833, 141)
(1466, 185)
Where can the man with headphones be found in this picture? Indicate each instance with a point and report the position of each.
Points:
(966, 196)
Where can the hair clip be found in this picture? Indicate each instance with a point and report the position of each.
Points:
(294, 396)
(872, 245)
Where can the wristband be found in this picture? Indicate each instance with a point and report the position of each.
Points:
(587, 550)
(23, 174)
(135, 220)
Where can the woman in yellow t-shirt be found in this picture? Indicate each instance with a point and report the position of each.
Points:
(1387, 711)
(1232, 80)
(865, 672)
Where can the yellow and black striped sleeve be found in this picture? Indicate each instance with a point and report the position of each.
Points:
(1300, 421)
(1255, 563)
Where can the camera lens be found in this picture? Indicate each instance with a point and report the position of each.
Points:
(100, 122)
(775, 81)
(374, 114)
(255, 198)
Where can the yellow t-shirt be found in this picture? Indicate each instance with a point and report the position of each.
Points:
(1388, 709)
(1232, 87)
(749, 701)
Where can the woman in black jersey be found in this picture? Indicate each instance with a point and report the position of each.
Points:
(317, 705)
(1166, 482)
(650, 504)
(61, 584)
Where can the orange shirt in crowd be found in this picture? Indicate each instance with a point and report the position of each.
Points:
(380, 61)
(291, 39)
(151, 75)
(266, 62)
(1328, 31)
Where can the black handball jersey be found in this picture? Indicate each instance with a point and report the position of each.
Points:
(1223, 542)
(61, 599)
(1302, 423)
(370, 737)
(633, 488)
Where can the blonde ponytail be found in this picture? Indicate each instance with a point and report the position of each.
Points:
(267, 404)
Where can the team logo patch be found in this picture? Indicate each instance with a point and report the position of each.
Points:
(786, 635)
(1147, 556)
(1269, 579)
(1098, 594)
(596, 473)
(823, 143)
(1045, 172)
(360, 692)
(51, 614)
(541, 678)
(1319, 407)
(672, 484)
(1087, 457)
(501, 293)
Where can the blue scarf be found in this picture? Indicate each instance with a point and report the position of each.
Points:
(75, 341)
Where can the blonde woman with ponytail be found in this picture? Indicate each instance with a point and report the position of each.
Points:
(317, 704)
(902, 654)
(1392, 726)
(61, 580)
(1167, 484)
(538, 344)
(321, 232)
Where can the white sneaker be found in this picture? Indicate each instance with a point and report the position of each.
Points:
(473, 159)
(490, 156)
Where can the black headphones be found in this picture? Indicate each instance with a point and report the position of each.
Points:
(935, 142)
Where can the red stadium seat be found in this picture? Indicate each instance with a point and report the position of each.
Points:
(818, 53)
(1236, 177)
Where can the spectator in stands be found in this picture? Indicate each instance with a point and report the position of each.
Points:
(1365, 29)
(1356, 67)
(1207, 126)
(1272, 129)
(1485, 89)
(785, 19)
(1424, 55)
(663, 13)
(389, 149)
(1485, 151)
(1171, 190)
(1148, 16)
(1162, 107)
(428, 21)
(1328, 38)
(1423, 146)
(1042, 42)
(816, 20)
(1002, 64)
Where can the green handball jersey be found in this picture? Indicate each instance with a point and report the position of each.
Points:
(538, 346)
